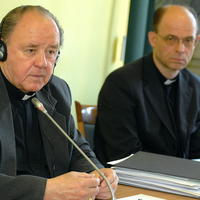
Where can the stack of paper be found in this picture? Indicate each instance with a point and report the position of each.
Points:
(160, 172)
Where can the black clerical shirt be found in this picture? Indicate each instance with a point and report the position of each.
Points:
(170, 91)
(29, 146)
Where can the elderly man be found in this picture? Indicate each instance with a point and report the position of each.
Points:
(37, 162)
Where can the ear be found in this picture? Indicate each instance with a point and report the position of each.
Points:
(197, 39)
(152, 38)
(57, 58)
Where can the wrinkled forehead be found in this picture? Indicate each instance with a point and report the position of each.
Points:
(31, 18)
(34, 24)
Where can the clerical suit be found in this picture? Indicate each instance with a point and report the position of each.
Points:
(60, 155)
(133, 113)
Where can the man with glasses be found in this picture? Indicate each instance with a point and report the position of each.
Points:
(153, 104)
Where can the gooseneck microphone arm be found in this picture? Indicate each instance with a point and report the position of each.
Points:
(41, 108)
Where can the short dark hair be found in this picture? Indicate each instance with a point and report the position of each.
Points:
(9, 22)
(158, 14)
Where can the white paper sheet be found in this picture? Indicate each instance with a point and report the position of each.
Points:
(114, 162)
(141, 197)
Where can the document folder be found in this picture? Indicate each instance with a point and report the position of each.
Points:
(161, 172)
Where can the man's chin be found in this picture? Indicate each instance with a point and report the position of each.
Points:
(178, 66)
(32, 89)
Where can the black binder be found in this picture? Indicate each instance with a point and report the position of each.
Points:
(160, 172)
(162, 164)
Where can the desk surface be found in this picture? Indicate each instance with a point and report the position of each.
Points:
(125, 191)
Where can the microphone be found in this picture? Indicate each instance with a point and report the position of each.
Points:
(41, 108)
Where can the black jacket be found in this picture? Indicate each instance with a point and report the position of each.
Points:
(61, 155)
(133, 114)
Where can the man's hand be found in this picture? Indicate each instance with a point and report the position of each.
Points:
(72, 186)
(104, 192)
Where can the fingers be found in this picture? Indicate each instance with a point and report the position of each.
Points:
(81, 174)
(110, 175)
(72, 185)
(104, 191)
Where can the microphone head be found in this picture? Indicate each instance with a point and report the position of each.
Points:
(38, 105)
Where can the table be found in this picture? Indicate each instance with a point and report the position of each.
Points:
(125, 191)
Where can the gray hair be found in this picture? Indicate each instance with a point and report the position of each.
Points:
(9, 22)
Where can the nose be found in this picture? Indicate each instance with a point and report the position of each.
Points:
(41, 60)
(180, 46)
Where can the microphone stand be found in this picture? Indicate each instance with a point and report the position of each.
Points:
(41, 108)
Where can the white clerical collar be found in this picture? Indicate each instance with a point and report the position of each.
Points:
(26, 96)
(169, 81)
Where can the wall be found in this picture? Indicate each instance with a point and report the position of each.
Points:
(93, 39)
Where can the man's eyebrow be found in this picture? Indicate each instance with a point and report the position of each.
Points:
(56, 46)
(30, 45)
(186, 37)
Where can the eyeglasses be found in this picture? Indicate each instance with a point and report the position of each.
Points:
(172, 40)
